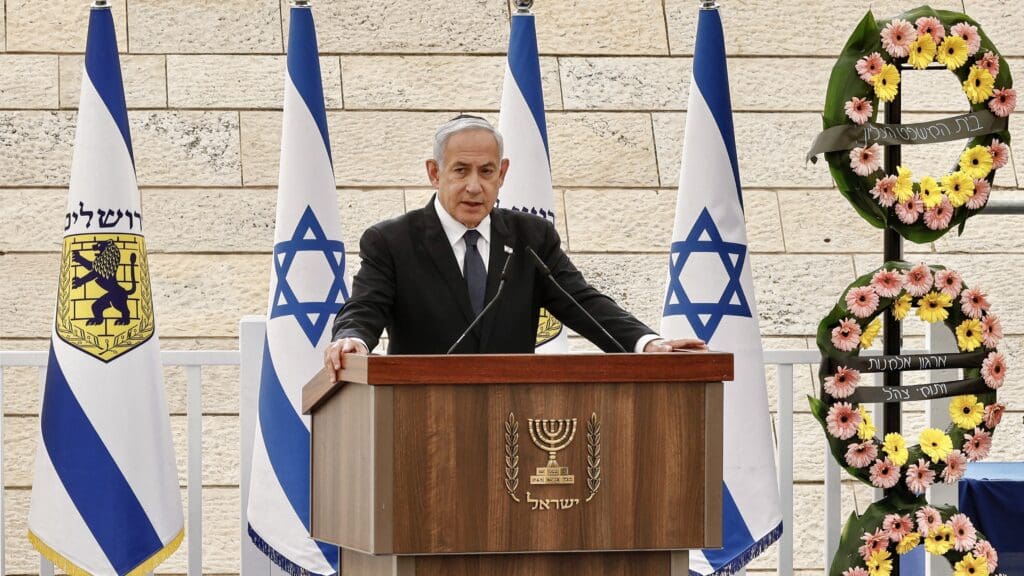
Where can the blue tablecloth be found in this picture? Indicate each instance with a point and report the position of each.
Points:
(992, 495)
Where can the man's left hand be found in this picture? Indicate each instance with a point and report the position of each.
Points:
(689, 344)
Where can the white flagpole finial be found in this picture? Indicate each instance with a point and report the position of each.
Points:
(709, 5)
(523, 6)
(100, 4)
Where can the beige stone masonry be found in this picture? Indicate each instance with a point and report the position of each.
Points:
(28, 81)
(223, 27)
(203, 81)
(144, 77)
(56, 26)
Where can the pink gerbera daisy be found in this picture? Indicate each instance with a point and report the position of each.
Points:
(897, 36)
(1003, 102)
(970, 35)
(885, 191)
(973, 302)
(873, 543)
(948, 282)
(856, 571)
(860, 455)
(869, 66)
(984, 549)
(865, 161)
(887, 283)
(862, 301)
(859, 110)
(930, 25)
(956, 465)
(977, 445)
(991, 331)
(885, 474)
(989, 62)
(842, 383)
(938, 218)
(842, 420)
(846, 336)
(993, 370)
(981, 192)
(897, 526)
(928, 519)
(910, 210)
(920, 476)
(964, 534)
(994, 414)
(918, 280)
(1000, 153)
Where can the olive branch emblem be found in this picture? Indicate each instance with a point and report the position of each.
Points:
(512, 456)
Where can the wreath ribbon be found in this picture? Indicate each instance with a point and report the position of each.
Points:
(848, 136)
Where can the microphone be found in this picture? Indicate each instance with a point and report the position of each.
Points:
(497, 293)
(547, 272)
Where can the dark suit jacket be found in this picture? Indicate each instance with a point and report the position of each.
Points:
(411, 284)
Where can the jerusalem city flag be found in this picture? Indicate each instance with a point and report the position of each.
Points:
(711, 296)
(105, 497)
(527, 185)
(307, 287)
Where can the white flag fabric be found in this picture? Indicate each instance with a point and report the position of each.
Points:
(711, 296)
(527, 185)
(105, 496)
(307, 287)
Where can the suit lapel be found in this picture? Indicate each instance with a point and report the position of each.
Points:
(440, 251)
(501, 236)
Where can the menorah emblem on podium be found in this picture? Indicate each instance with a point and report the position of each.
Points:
(552, 436)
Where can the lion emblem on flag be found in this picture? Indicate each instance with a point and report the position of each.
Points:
(104, 305)
(548, 327)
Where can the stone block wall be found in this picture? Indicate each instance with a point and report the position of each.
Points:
(204, 83)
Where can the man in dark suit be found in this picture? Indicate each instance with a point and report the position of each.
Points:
(427, 274)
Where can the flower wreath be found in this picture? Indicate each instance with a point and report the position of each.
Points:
(868, 71)
(889, 525)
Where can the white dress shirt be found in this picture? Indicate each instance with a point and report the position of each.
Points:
(455, 231)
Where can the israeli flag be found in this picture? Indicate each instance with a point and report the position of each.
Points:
(105, 496)
(527, 185)
(711, 296)
(307, 287)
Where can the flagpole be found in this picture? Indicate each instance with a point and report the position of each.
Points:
(523, 6)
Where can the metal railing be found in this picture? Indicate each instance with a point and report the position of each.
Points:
(248, 357)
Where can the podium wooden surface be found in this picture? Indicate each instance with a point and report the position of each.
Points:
(422, 465)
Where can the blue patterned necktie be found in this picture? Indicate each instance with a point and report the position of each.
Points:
(474, 271)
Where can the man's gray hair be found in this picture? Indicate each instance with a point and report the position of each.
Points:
(461, 124)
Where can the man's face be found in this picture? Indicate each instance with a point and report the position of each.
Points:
(467, 185)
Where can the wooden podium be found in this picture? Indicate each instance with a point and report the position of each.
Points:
(603, 464)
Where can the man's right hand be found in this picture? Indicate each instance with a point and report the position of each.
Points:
(333, 354)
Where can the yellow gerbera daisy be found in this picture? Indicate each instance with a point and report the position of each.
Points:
(922, 51)
(976, 162)
(952, 52)
(901, 307)
(867, 337)
(887, 83)
(939, 540)
(979, 85)
(896, 447)
(932, 307)
(879, 563)
(971, 565)
(866, 429)
(931, 194)
(966, 412)
(969, 335)
(904, 184)
(908, 543)
(935, 444)
(959, 187)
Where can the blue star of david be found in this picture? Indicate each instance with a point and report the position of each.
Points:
(733, 301)
(313, 316)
